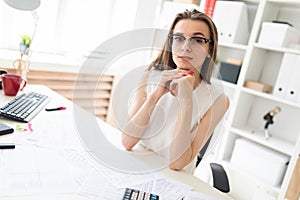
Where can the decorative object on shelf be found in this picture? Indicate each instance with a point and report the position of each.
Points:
(261, 87)
(269, 120)
(25, 5)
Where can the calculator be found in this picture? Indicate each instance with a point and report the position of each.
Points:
(132, 194)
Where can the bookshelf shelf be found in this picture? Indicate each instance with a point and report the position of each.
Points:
(270, 97)
(258, 136)
(234, 46)
(281, 50)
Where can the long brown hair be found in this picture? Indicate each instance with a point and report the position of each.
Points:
(164, 60)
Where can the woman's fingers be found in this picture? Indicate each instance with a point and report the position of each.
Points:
(185, 83)
(170, 75)
(169, 80)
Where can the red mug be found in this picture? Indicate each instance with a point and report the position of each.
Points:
(12, 84)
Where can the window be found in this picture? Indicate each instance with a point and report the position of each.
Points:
(66, 26)
(14, 23)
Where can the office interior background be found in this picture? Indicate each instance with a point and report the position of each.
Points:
(258, 62)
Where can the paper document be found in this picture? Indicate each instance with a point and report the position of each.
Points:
(169, 189)
(199, 196)
(29, 170)
(97, 187)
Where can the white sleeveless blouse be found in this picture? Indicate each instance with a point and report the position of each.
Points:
(158, 136)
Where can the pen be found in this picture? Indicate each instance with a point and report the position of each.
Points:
(53, 109)
(7, 145)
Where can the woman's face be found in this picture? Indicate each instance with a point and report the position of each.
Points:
(188, 46)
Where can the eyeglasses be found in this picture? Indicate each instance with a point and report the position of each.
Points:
(178, 40)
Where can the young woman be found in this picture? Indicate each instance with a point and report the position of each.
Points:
(176, 107)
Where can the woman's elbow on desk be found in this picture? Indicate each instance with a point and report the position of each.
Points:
(128, 142)
(127, 147)
(181, 162)
(173, 167)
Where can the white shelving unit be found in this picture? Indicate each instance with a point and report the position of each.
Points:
(245, 117)
(260, 63)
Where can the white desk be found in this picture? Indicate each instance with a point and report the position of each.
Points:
(61, 129)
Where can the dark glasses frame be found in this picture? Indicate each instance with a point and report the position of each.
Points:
(171, 35)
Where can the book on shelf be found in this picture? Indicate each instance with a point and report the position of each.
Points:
(209, 7)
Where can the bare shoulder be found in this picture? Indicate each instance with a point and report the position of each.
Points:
(222, 101)
(141, 90)
(226, 100)
(144, 77)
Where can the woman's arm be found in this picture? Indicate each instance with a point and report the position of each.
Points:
(185, 145)
(140, 115)
(128, 139)
(137, 124)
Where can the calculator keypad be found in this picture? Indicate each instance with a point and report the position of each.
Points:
(131, 194)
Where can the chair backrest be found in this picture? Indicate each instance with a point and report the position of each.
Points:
(203, 150)
(220, 178)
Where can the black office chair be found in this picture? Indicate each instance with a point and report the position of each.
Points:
(220, 179)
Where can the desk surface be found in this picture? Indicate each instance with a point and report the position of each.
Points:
(59, 130)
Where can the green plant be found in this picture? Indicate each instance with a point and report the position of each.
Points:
(25, 44)
(25, 40)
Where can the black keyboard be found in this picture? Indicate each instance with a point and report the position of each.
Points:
(24, 107)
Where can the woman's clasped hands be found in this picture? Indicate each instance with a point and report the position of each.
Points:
(178, 82)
